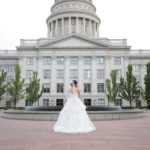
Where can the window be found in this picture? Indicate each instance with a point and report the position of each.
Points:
(136, 68)
(8, 103)
(10, 68)
(60, 87)
(119, 102)
(46, 87)
(87, 74)
(118, 73)
(87, 60)
(59, 102)
(138, 103)
(30, 61)
(119, 87)
(87, 88)
(47, 60)
(46, 74)
(74, 60)
(9, 78)
(60, 73)
(117, 60)
(29, 74)
(27, 87)
(28, 103)
(100, 87)
(73, 74)
(87, 102)
(100, 60)
(1, 68)
(100, 73)
(60, 60)
(101, 102)
(45, 102)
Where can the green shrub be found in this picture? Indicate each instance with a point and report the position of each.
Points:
(139, 107)
(143, 107)
(17, 108)
(127, 107)
(5, 108)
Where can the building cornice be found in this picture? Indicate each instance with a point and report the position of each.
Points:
(144, 56)
(75, 48)
(68, 12)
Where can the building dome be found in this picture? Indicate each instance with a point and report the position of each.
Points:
(57, 1)
(73, 17)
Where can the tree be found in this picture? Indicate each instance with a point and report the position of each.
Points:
(33, 91)
(146, 91)
(3, 86)
(130, 88)
(16, 86)
(112, 87)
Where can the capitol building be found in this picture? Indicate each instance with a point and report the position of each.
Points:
(73, 49)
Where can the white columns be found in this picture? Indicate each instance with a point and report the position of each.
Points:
(94, 76)
(53, 75)
(56, 28)
(83, 26)
(95, 29)
(77, 25)
(67, 74)
(80, 74)
(48, 30)
(98, 31)
(52, 28)
(69, 25)
(62, 26)
(125, 66)
(90, 32)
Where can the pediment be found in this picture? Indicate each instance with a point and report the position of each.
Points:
(72, 41)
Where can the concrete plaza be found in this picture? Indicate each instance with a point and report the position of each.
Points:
(110, 135)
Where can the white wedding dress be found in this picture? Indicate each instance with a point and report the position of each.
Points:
(73, 118)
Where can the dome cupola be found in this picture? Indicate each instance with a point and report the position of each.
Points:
(73, 17)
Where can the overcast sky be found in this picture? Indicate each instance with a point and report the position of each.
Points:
(26, 19)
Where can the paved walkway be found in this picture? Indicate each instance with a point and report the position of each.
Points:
(110, 135)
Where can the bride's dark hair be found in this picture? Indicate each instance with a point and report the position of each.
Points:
(74, 82)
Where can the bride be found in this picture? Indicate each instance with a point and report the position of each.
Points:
(73, 118)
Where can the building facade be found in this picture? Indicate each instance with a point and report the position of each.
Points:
(72, 50)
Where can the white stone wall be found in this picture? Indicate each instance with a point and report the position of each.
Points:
(67, 54)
